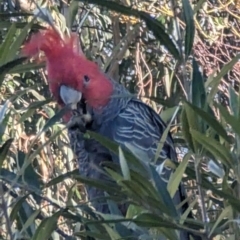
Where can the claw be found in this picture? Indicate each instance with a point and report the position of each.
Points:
(77, 121)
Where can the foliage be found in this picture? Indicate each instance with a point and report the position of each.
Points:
(181, 58)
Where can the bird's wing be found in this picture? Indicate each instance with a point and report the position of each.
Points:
(139, 129)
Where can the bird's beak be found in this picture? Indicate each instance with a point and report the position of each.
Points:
(70, 96)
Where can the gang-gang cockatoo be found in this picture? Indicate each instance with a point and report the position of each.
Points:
(94, 100)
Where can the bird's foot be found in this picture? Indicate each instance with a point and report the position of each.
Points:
(77, 122)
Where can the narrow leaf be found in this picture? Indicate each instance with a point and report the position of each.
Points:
(216, 80)
(190, 27)
(5, 46)
(198, 89)
(18, 42)
(234, 102)
(212, 122)
(164, 137)
(46, 227)
(113, 147)
(186, 130)
(16, 208)
(124, 165)
(5, 68)
(72, 12)
(152, 220)
(176, 177)
(231, 120)
(4, 150)
(226, 213)
(191, 123)
(21, 68)
(161, 187)
(215, 148)
(30, 220)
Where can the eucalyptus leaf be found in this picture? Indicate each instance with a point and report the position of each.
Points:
(217, 79)
(46, 227)
(190, 27)
(4, 149)
(219, 151)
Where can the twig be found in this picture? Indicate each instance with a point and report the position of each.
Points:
(200, 192)
(3, 205)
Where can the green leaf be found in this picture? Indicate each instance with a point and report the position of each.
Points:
(113, 147)
(140, 189)
(190, 121)
(111, 232)
(104, 185)
(176, 177)
(167, 114)
(143, 193)
(8, 176)
(231, 120)
(198, 6)
(94, 235)
(215, 148)
(16, 208)
(27, 67)
(164, 102)
(14, 14)
(46, 227)
(188, 211)
(29, 176)
(216, 80)
(72, 12)
(212, 122)
(234, 102)
(153, 220)
(186, 130)
(4, 149)
(198, 89)
(133, 210)
(164, 137)
(5, 46)
(61, 178)
(30, 221)
(190, 27)
(20, 25)
(124, 165)
(161, 188)
(226, 213)
(6, 68)
(198, 93)
(18, 42)
(24, 213)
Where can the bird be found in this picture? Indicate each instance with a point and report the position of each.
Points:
(102, 105)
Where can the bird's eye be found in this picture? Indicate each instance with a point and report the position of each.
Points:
(86, 79)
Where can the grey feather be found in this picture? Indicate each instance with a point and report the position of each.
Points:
(133, 125)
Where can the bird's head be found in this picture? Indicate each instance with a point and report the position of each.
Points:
(71, 77)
